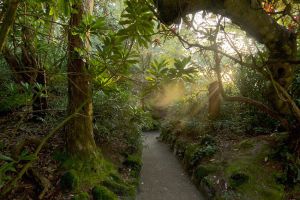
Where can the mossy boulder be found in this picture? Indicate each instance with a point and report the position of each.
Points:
(69, 180)
(102, 193)
(81, 196)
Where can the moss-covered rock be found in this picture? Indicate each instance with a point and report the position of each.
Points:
(69, 180)
(81, 196)
(102, 193)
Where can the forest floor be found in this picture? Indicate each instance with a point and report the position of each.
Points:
(162, 176)
(19, 137)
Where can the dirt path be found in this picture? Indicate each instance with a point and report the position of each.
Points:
(162, 177)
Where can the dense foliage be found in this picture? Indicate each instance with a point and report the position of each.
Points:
(81, 80)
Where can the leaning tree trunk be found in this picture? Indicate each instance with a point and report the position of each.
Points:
(8, 20)
(80, 138)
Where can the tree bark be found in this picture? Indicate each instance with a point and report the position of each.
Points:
(280, 42)
(80, 137)
(214, 102)
(8, 20)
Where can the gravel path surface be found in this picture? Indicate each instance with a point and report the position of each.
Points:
(162, 176)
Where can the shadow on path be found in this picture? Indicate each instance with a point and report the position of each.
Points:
(162, 177)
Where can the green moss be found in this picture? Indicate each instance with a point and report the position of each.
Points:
(119, 187)
(81, 196)
(90, 171)
(196, 152)
(203, 171)
(254, 178)
(102, 193)
(246, 144)
(237, 179)
(70, 180)
(134, 161)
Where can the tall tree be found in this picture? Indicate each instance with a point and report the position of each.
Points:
(80, 137)
(252, 18)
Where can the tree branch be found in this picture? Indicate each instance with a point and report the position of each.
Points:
(8, 20)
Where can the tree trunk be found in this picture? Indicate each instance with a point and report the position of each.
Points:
(214, 102)
(29, 70)
(34, 74)
(80, 137)
(8, 20)
(40, 102)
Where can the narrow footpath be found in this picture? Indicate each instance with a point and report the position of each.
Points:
(162, 176)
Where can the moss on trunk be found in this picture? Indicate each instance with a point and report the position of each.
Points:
(80, 138)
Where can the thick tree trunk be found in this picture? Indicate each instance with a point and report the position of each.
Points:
(250, 17)
(80, 138)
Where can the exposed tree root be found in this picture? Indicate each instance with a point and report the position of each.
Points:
(43, 182)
